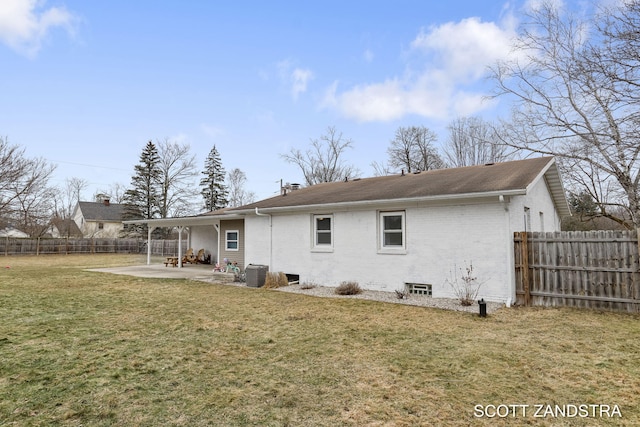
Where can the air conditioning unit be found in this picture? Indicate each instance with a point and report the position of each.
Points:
(256, 275)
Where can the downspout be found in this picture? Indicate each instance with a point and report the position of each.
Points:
(510, 257)
(258, 213)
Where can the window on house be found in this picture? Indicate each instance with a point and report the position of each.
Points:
(323, 230)
(542, 221)
(392, 232)
(232, 240)
(100, 225)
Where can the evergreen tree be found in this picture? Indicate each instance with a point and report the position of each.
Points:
(214, 191)
(141, 200)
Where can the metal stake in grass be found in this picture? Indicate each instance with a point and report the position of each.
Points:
(483, 307)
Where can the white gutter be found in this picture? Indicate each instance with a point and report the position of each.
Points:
(378, 202)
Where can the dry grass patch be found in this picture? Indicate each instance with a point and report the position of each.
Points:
(99, 349)
(348, 288)
(275, 280)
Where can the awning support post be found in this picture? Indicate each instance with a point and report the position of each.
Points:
(180, 228)
(149, 230)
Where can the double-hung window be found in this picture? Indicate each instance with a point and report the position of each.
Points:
(232, 240)
(392, 231)
(323, 232)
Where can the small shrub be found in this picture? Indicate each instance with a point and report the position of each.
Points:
(466, 288)
(275, 280)
(282, 280)
(348, 288)
(402, 294)
(307, 285)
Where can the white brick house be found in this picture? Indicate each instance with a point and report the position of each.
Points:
(394, 232)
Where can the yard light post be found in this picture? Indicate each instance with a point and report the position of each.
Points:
(483, 307)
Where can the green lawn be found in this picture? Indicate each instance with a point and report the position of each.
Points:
(87, 348)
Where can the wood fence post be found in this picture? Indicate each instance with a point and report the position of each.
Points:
(524, 258)
(638, 244)
(637, 266)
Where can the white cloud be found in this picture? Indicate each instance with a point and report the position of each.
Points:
(464, 49)
(24, 24)
(454, 57)
(297, 79)
(300, 78)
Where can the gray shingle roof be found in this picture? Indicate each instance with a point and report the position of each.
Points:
(66, 227)
(98, 211)
(498, 177)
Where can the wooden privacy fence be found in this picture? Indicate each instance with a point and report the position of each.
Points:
(592, 269)
(40, 246)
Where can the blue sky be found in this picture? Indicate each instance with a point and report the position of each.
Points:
(86, 84)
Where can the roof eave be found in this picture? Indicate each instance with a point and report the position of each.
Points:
(184, 221)
(384, 202)
(551, 175)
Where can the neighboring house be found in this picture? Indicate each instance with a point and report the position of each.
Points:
(99, 219)
(64, 228)
(10, 231)
(412, 231)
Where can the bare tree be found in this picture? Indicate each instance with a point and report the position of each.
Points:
(35, 208)
(324, 162)
(412, 150)
(381, 169)
(575, 84)
(69, 196)
(20, 179)
(177, 174)
(472, 141)
(238, 196)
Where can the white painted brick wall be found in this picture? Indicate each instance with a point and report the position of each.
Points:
(440, 240)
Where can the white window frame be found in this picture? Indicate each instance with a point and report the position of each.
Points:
(236, 240)
(392, 249)
(321, 247)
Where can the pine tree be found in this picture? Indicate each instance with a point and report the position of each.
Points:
(141, 200)
(214, 191)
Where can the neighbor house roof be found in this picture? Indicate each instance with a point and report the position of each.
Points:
(101, 211)
(66, 227)
(10, 231)
(508, 178)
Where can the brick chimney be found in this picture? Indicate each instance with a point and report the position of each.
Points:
(106, 202)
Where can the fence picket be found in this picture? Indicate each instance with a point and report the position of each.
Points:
(43, 246)
(598, 269)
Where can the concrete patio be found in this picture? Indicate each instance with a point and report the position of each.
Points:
(190, 271)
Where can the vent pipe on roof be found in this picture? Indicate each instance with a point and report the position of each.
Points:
(287, 188)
